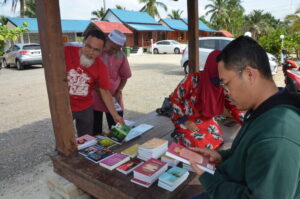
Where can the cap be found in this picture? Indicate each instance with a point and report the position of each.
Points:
(117, 37)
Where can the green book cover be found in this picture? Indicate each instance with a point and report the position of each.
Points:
(119, 132)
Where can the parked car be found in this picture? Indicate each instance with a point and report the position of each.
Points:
(73, 43)
(168, 46)
(208, 44)
(20, 55)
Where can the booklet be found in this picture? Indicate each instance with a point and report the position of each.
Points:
(184, 155)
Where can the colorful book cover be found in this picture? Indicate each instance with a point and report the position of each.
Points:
(150, 167)
(130, 165)
(119, 132)
(137, 131)
(140, 182)
(99, 155)
(114, 159)
(183, 154)
(132, 151)
(173, 175)
(90, 149)
(105, 142)
(85, 141)
(153, 143)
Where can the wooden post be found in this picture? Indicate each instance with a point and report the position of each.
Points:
(193, 35)
(49, 23)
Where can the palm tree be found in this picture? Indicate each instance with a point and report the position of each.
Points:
(151, 7)
(98, 14)
(218, 11)
(120, 7)
(175, 14)
(30, 9)
(257, 23)
(14, 4)
(294, 21)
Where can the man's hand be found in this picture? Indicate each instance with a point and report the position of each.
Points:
(118, 119)
(198, 171)
(191, 126)
(214, 157)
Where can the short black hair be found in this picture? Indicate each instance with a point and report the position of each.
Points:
(245, 51)
(95, 33)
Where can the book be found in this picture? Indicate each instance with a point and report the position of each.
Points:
(171, 161)
(118, 133)
(150, 170)
(153, 148)
(117, 105)
(140, 182)
(184, 155)
(85, 141)
(129, 166)
(123, 133)
(171, 179)
(113, 161)
(130, 123)
(131, 151)
(105, 142)
(90, 149)
(97, 156)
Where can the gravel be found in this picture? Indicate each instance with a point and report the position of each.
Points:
(26, 133)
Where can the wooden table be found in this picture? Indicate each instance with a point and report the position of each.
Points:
(102, 183)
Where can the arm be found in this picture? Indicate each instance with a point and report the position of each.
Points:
(118, 93)
(108, 101)
(271, 171)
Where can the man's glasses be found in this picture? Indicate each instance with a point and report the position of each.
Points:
(225, 86)
(89, 47)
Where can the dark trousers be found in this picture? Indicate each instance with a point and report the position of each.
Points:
(84, 121)
(200, 196)
(98, 117)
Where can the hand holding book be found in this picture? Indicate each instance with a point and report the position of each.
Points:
(213, 156)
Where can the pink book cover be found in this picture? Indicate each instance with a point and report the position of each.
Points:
(113, 159)
(150, 167)
(175, 150)
(84, 138)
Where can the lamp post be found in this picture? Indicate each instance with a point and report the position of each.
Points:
(281, 37)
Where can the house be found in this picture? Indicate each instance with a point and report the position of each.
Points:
(143, 26)
(107, 27)
(71, 29)
(179, 28)
(204, 30)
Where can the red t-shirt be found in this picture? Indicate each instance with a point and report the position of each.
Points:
(81, 80)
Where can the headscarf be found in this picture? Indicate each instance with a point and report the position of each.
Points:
(210, 96)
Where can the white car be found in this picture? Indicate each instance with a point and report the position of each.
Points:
(168, 46)
(208, 44)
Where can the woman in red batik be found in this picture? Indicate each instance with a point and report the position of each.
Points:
(195, 102)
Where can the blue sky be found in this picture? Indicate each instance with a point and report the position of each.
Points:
(81, 9)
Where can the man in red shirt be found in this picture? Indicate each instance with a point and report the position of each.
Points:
(85, 72)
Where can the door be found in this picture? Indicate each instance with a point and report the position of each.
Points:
(136, 38)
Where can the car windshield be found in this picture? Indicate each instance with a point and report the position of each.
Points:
(174, 42)
(32, 47)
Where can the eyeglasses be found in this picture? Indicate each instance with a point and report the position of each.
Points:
(225, 86)
(89, 47)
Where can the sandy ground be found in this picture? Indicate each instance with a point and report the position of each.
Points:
(26, 135)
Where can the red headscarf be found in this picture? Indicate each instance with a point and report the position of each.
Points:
(210, 98)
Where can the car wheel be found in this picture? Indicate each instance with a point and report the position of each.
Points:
(186, 68)
(176, 51)
(19, 65)
(155, 51)
(5, 65)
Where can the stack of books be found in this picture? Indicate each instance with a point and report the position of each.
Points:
(171, 179)
(187, 167)
(170, 161)
(147, 173)
(129, 166)
(153, 148)
(113, 161)
(85, 141)
(184, 155)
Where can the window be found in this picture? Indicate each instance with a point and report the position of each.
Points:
(32, 47)
(223, 43)
(209, 44)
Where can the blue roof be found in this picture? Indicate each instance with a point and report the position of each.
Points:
(127, 16)
(202, 26)
(176, 24)
(149, 27)
(67, 25)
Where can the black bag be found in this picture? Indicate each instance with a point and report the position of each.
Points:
(166, 108)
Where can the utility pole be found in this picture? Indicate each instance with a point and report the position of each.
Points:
(104, 5)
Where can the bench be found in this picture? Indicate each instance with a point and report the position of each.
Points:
(102, 183)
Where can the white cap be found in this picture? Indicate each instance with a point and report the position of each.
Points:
(117, 37)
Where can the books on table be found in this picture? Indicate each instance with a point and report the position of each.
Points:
(137, 131)
(105, 142)
(113, 161)
(90, 149)
(129, 166)
(184, 155)
(147, 173)
(153, 148)
(131, 151)
(171, 179)
(85, 141)
(171, 161)
(97, 156)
